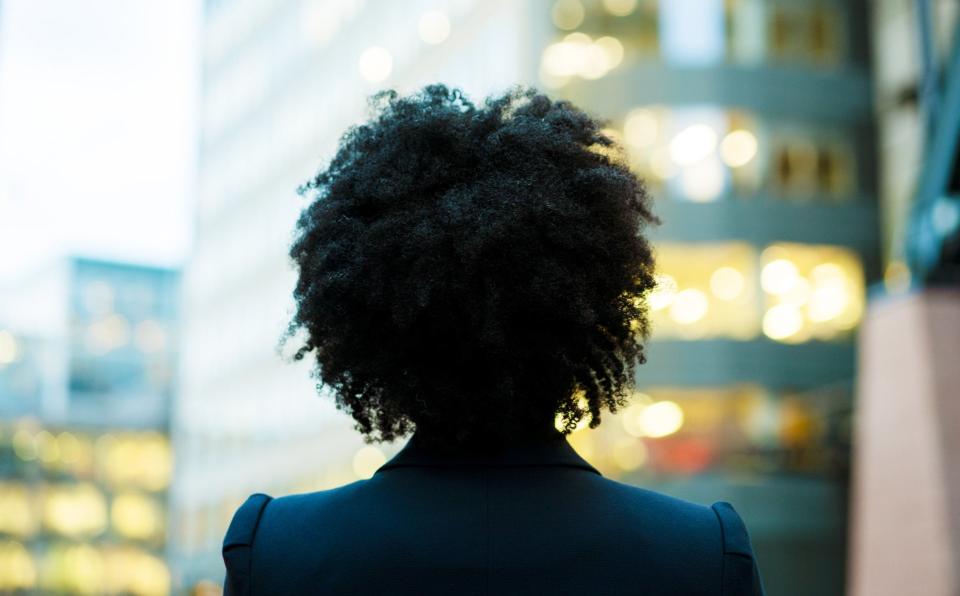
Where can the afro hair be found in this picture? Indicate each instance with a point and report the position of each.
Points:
(473, 271)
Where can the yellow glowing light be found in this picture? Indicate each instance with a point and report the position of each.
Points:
(640, 128)
(738, 148)
(692, 144)
(141, 459)
(579, 55)
(375, 64)
(433, 27)
(727, 283)
(17, 513)
(594, 62)
(17, 569)
(583, 444)
(661, 418)
(798, 294)
(104, 444)
(831, 294)
(578, 38)
(632, 416)
(896, 278)
(133, 571)
(47, 447)
(75, 510)
(629, 455)
(70, 448)
(24, 445)
(620, 8)
(157, 458)
(782, 321)
(828, 274)
(79, 567)
(156, 454)
(777, 277)
(367, 460)
(135, 516)
(828, 302)
(561, 59)
(612, 50)
(663, 293)
(8, 348)
(689, 306)
(567, 14)
(702, 181)
(559, 422)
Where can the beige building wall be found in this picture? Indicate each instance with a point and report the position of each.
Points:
(905, 524)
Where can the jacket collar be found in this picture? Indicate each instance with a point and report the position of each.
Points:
(552, 451)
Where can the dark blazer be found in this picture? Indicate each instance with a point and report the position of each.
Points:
(531, 519)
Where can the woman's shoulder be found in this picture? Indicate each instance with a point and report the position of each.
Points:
(645, 501)
(274, 525)
(712, 530)
(238, 544)
(247, 517)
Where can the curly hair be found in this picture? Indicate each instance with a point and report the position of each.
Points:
(473, 271)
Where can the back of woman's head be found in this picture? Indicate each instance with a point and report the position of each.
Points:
(473, 271)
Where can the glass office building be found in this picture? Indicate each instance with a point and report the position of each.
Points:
(280, 83)
(87, 368)
(752, 123)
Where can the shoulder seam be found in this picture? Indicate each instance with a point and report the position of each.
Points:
(253, 507)
(723, 550)
(237, 548)
(735, 537)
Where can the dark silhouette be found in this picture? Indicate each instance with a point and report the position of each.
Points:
(475, 274)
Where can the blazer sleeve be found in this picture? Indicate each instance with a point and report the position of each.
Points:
(741, 575)
(238, 544)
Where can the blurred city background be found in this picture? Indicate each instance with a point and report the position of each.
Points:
(802, 154)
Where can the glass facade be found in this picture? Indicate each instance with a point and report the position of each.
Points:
(706, 153)
(86, 462)
(281, 81)
(83, 512)
(751, 123)
(788, 292)
(710, 32)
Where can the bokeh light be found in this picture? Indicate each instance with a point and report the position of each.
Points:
(567, 14)
(661, 418)
(620, 8)
(693, 144)
(375, 64)
(433, 27)
(738, 148)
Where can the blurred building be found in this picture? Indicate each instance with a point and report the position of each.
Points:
(281, 82)
(905, 533)
(87, 355)
(914, 52)
(752, 122)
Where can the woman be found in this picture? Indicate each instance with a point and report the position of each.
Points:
(476, 275)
